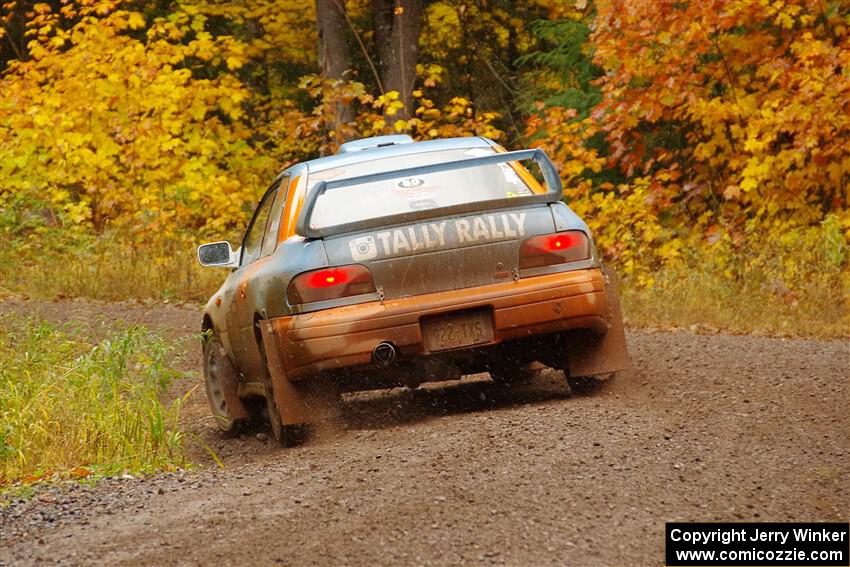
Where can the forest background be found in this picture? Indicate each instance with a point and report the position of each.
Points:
(706, 143)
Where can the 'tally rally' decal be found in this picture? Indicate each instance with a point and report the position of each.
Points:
(478, 229)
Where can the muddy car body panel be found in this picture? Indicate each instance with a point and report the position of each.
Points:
(396, 262)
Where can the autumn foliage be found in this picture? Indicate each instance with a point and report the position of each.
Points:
(695, 137)
(728, 122)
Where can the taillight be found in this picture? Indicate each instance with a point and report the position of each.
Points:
(330, 283)
(550, 249)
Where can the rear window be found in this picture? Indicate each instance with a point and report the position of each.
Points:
(405, 194)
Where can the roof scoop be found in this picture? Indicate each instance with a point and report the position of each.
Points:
(374, 142)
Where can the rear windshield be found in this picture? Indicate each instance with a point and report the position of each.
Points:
(405, 194)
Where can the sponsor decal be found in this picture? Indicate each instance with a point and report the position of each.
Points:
(428, 236)
(410, 182)
(363, 248)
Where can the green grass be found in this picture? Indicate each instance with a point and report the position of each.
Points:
(71, 408)
(105, 268)
(707, 301)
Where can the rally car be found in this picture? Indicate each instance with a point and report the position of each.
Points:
(394, 263)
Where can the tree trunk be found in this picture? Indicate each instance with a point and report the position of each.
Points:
(334, 50)
(397, 26)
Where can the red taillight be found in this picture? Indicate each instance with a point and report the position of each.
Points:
(550, 249)
(330, 283)
(329, 278)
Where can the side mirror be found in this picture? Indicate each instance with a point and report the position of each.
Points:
(218, 254)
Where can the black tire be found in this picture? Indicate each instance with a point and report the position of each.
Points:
(286, 435)
(218, 372)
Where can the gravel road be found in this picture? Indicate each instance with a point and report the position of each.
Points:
(705, 428)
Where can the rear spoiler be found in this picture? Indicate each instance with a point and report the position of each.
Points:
(553, 194)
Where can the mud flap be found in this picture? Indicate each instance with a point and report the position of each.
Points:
(303, 402)
(594, 355)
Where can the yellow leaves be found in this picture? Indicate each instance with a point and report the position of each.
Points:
(286, 28)
(753, 173)
(121, 135)
(400, 126)
(755, 144)
(230, 108)
(103, 8)
(432, 74)
(389, 103)
(625, 228)
(785, 20)
(429, 113)
(59, 196)
(203, 46)
(171, 143)
(443, 21)
(78, 212)
(36, 50)
(198, 24)
(41, 118)
(135, 21)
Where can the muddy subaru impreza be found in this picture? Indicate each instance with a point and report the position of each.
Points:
(396, 263)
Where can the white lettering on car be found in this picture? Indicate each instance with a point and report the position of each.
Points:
(462, 229)
(494, 232)
(416, 244)
(426, 238)
(480, 228)
(399, 242)
(509, 232)
(519, 219)
(440, 229)
(385, 240)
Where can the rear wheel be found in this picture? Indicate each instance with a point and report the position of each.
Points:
(286, 435)
(219, 374)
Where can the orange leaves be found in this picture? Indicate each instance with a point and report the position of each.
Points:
(726, 113)
(756, 91)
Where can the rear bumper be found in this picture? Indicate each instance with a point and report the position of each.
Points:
(345, 336)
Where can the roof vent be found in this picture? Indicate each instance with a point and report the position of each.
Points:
(374, 142)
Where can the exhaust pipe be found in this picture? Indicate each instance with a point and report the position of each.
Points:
(384, 354)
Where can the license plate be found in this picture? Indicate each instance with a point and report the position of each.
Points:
(458, 330)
